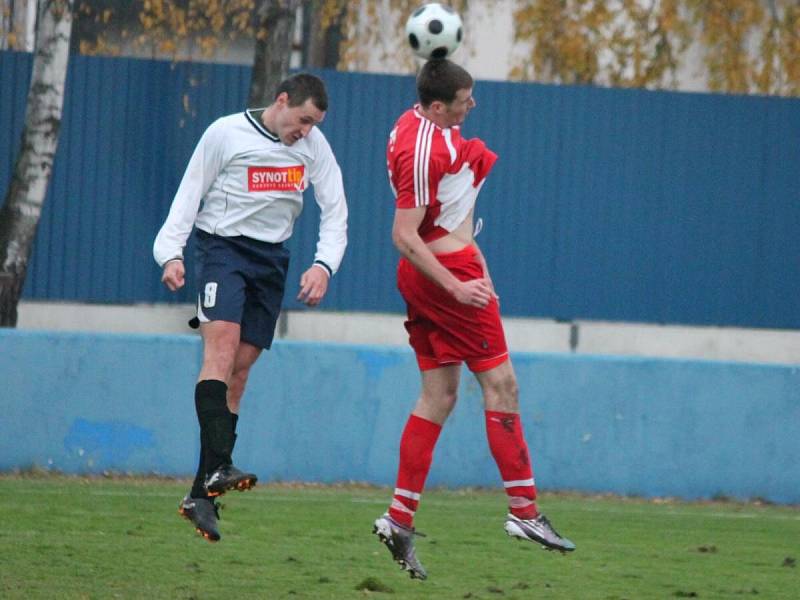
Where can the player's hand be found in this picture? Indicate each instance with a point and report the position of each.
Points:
(491, 287)
(313, 285)
(476, 292)
(173, 276)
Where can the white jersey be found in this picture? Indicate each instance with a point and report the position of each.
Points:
(251, 184)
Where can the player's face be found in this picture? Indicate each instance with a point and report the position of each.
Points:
(293, 123)
(457, 110)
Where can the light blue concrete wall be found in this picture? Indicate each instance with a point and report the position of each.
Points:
(84, 403)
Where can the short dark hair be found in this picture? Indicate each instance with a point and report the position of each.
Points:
(440, 79)
(301, 87)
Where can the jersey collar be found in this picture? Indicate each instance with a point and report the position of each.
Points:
(254, 117)
(418, 113)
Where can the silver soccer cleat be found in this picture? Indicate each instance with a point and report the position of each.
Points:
(400, 542)
(539, 531)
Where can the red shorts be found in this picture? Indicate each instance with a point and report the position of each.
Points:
(441, 330)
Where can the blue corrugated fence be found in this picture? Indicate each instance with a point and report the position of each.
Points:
(605, 203)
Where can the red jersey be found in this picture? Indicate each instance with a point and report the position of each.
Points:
(437, 168)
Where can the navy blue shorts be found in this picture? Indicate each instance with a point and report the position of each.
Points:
(241, 280)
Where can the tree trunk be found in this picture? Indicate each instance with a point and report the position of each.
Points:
(321, 46)
(22, 208)
(274, 41)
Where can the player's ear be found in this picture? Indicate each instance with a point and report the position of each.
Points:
(437, 106)
(282, 99)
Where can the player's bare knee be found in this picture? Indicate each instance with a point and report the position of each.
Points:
(511, 389)
(442, 401)
(449, 400)
(511, 394)
(502, 394)
(436, 407)
(219, 356)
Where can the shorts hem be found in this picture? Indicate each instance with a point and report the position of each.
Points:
(429, 363)
(485, 364)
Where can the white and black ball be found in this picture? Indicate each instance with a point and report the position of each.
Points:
(434, 30)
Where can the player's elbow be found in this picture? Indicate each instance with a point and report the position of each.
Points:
(401, 241)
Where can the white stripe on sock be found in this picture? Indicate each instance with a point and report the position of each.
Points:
(407, 494)
(397, 505)
(518, 483)
(519, 502)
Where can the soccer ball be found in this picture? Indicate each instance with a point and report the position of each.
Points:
(434, 31)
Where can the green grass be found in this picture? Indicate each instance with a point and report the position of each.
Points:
(65, 537)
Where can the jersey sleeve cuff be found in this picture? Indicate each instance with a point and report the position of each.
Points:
(321, 264)
(164, 264)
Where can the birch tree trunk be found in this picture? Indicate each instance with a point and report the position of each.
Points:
(22, 208)
(274, 42)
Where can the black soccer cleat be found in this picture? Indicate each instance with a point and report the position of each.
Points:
(539, 531)
(203, 513)
(228, 477)
(400, 542)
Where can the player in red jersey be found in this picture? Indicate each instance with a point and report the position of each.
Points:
(453, 312)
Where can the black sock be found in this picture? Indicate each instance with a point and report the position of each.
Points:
(198, 487)
(234, 421)
(216, 432)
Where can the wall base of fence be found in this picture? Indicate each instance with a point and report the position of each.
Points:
(89, 403)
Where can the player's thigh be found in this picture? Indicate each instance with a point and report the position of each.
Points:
(220, 346)
(219, 279)
(419, 331)
(266, 284)
(454, 331)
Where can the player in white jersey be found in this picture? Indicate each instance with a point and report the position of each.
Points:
(249, 171)
(453, 311)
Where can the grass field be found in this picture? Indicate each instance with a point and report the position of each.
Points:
(66, 537)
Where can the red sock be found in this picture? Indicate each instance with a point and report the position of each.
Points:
(416, 454)
(507, 443)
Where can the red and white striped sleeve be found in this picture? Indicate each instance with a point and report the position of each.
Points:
(412, 171)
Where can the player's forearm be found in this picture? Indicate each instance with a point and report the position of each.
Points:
(411, 246)
(172, 236)
(332, 235)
